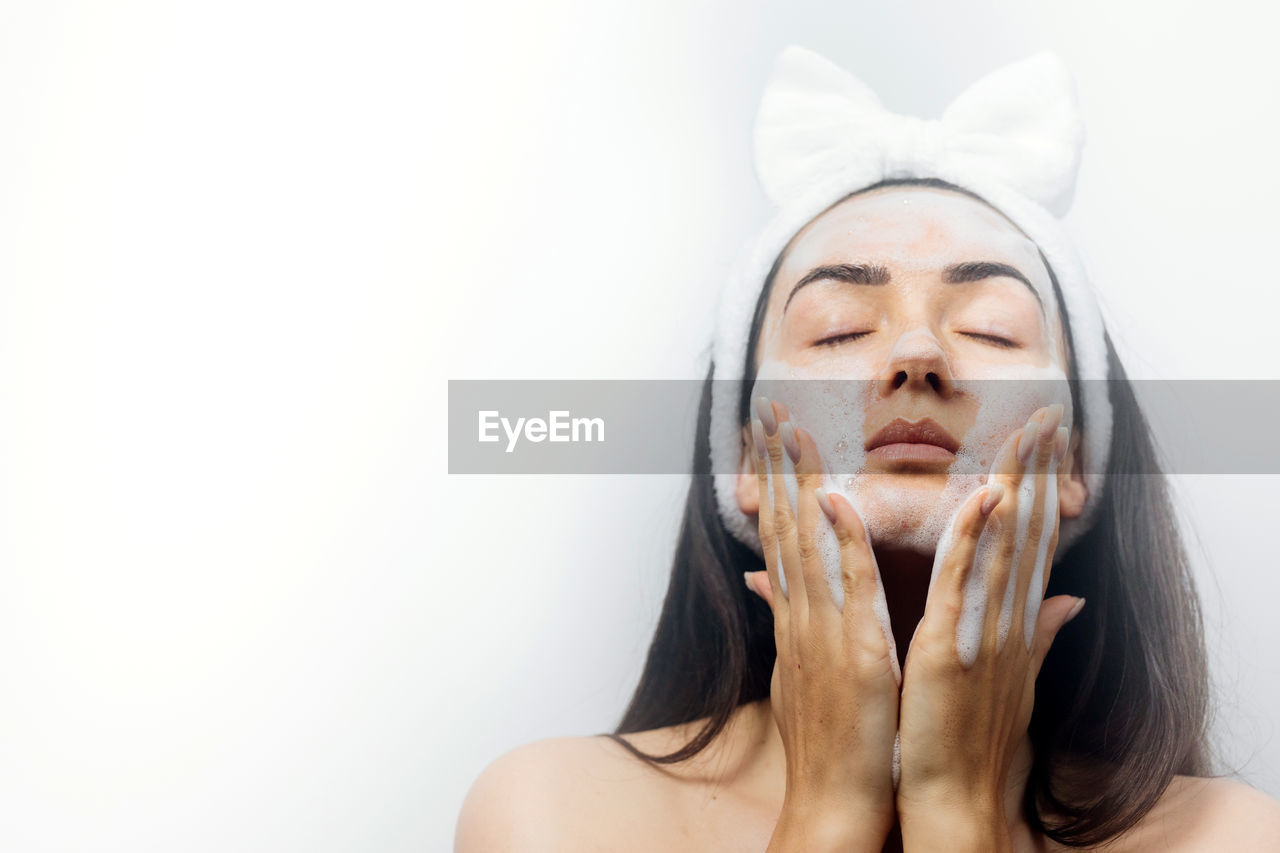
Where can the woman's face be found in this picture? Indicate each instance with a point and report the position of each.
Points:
(912, 305)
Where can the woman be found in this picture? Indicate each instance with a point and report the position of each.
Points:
(899, 672)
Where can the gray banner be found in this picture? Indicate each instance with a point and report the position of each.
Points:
(648, 426)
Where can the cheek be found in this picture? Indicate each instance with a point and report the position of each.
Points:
(830, 404)
(848, 362)
(1005, 400)
(831, 408)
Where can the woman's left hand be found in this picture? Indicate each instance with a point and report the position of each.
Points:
(961, 722)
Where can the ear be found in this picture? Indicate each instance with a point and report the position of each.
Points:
(1072, 492)
(747, 490)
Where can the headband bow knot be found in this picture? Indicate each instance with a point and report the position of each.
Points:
(1019, 126)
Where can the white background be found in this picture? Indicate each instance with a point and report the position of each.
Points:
(243, 247)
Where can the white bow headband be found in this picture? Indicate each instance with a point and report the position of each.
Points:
(1014, 138)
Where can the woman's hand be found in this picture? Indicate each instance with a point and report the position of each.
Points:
(834, 692)
(965, 713)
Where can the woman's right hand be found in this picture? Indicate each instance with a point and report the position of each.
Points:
(835, 681)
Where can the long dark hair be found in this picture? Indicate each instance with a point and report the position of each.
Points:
(1122, 699)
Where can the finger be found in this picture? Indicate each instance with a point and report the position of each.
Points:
(1054, 613)
(959, 546)
(813, 527)
(768, 539)
(1062, 438)
(857, 560)
(866, 612)
(958, 594)
(1041, 527)
(784, 520)
(1005, 577)
(1038, 583)
(758, 583)
(785, 523)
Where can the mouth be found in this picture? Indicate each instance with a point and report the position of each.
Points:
(922, 441)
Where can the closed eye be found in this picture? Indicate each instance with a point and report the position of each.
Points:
(994, 339)
(839, 339)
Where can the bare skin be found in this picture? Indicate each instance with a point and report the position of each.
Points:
(567, 794)
(589, 794)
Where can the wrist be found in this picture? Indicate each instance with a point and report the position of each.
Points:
(844, 825)
(976, 825)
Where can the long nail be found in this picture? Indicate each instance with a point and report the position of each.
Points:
(765, 410)
(995, 492)
(1027, 442)
(746, 577)
(757, 433)
(1060, 442)
(825, 503)
(1075, 611)
(789, 441)
(1051, 420)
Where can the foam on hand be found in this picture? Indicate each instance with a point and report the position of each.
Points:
(897, 759)
(976, 589)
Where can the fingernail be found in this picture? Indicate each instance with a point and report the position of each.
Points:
(995, 492)
(746, 577)
(789, 441)
(765, 410)
(1051, 421)
(1075, 611)
(825, 502)
(757, 433)
(1027, 442)
(1060, 442)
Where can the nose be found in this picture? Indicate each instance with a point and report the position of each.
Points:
(917, 362)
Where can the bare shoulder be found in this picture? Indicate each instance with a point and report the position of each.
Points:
(1226, 813)
(559, 794)
(1203, 814)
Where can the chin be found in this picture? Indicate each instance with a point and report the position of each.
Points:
(911, 513)
(904, 535)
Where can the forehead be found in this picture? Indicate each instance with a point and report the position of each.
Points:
(913, 229)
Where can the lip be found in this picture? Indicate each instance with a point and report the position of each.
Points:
(924, 441)
(902, 451)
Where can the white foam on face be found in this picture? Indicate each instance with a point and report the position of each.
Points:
(908, 510)
(914, 233)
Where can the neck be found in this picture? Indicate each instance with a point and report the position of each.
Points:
(905, 575)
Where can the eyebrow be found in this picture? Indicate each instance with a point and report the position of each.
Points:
(868, 274)
(982, 270)
(875, 275)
